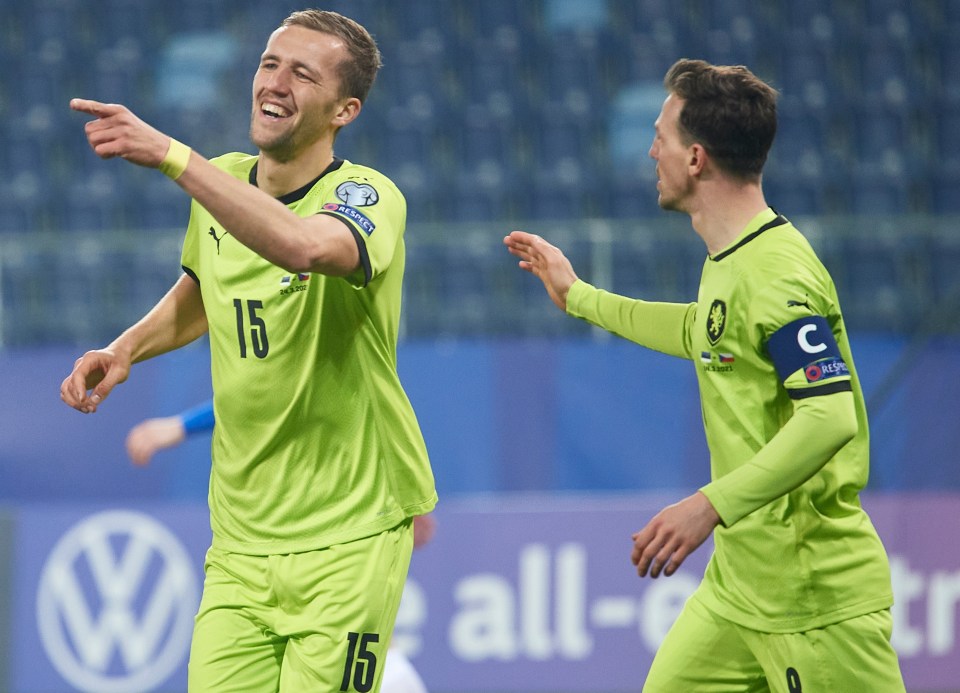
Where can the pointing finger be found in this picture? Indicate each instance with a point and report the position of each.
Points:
(95, 108)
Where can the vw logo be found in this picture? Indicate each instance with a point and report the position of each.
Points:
(115, 603)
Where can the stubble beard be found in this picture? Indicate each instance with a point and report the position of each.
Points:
(281, 146)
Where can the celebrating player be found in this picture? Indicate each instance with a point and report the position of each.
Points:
(318, 463)
(797, 594)
(152, 435)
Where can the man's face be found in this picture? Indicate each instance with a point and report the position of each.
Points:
(296, 91)
(672, 156)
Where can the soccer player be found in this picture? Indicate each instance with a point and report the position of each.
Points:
(152, 435)
(293, 264)
(796, 596)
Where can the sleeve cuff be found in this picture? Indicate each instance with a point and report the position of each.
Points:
(578, 291)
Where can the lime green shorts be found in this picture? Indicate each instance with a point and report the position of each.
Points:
(314, 621)
(704, 653)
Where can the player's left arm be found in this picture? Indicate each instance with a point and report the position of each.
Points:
(314, 244)
(809, 363)
(819, 427)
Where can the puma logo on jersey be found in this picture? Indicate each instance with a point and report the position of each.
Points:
(213, 232)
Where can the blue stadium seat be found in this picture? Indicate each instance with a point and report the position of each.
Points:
(630, 127)
(873, 195)
(793, 196)
(17, 216)
(488, 17)
(945, 191)
(880, 138)
(552, 200)
(157, 204)
(801, 141)
(629, 196)
(886, 74)
(564, 15)
(634, 267)
(943, 252)
(482, 136)
(947, 140)
(561, 136)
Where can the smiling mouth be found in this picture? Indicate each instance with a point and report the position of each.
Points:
(274, 112)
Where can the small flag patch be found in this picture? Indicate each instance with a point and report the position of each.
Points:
(726, 358)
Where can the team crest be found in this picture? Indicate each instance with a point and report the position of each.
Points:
(716, 321)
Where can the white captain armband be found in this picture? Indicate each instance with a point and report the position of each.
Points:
(808, 345)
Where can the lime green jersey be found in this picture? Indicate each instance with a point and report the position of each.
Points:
(316, 442)
(795, 551)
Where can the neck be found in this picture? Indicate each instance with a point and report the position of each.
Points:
(722, 212)
(277, 176)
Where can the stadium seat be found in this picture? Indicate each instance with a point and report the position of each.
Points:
(16, 216)
(630, 127)
(944, 258)
(947, 139)
(873, 195)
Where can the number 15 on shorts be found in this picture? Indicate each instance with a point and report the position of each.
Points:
(360, 665)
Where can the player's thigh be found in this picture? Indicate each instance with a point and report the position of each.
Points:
(338, 637)
(703, 653)
(853, 655)
(232, 649)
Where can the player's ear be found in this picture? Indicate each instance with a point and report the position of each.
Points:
(697, 159)
(348, 112)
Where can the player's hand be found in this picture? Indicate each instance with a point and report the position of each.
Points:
(546, 262)
(94, 375)
(672, 535)
(150, 436)
(118, 132)
(424, 527)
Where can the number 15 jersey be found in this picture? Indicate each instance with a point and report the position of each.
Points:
(316, 442)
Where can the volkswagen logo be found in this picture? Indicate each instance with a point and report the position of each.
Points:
(116, 602)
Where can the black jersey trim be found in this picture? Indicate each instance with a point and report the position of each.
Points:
(779, 221)
(301, 192)
(829, 389)
(361, 246)
(190, 273)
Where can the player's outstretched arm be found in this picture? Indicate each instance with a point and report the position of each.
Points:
(177, 319)
(152, 435)
(672, 535)
(319, 243)
(546, 262)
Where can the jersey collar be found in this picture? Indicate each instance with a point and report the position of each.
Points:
(301, 192)
(764, 221)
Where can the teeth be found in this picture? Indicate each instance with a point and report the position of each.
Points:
(274, 110)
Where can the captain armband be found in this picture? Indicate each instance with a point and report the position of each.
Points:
(807, 358)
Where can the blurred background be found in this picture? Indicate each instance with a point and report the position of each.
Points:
(550, 441)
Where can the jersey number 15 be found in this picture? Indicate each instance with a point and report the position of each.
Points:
(258, 328)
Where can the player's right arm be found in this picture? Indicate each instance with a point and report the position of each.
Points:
(664, 327)
(176, 320)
